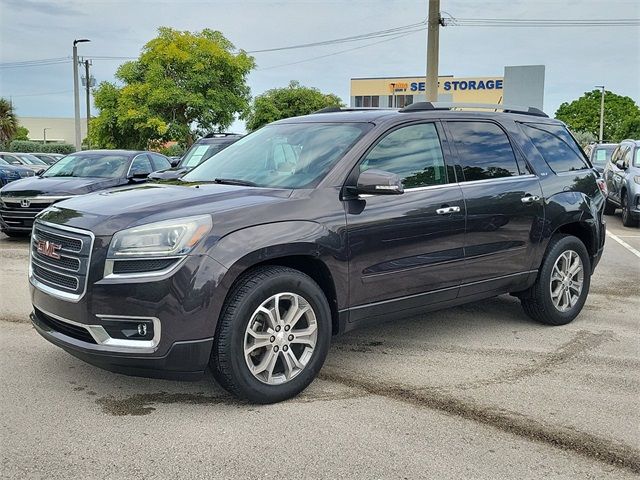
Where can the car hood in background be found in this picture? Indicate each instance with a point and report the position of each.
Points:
(58, 186)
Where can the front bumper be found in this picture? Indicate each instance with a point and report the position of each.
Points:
(185, 360)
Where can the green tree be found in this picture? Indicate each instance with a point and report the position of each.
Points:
(286, 102)
(183, 85)
(22, 133)
(583, 115)
(8, 121)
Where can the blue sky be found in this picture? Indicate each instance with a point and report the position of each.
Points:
(576, 59)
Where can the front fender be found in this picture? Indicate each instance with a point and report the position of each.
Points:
(245, 248)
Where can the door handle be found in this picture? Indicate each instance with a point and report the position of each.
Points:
(447, 210)
(530, 199)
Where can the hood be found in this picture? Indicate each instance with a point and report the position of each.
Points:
(107, 212)
(58, 186)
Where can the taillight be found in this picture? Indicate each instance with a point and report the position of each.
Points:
(602, 185)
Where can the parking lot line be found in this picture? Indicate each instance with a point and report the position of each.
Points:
(624, 244)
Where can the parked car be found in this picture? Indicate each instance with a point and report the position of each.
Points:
(24, 159)
(48, 158)
(312, 226)
(601, 154)
(622, 175)
(9, 173)
(75, 174)
(199, 152)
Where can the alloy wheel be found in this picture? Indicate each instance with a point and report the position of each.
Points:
(566, 282)
(280, 338)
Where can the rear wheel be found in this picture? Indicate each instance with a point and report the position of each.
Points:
(273, 335)
(627, 218)
(562, 285)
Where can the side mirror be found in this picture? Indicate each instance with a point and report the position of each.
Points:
(379, 182)
(620, 165)
(175, 162)
(138, 176)
(40, 172)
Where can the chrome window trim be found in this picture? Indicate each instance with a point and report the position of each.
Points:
(499, 179)
(61, 294)
(110, 344)
(134, 159)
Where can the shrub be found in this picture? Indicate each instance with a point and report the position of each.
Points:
(28, 147)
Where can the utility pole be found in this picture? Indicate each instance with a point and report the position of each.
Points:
(601, 112)
(433, 47)
(88, 91)
(76, 93)
(44, 135)
(393, 95)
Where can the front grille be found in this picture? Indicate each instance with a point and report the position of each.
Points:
(68, 273)
(141, 266)
(15, 215)
(68, 329)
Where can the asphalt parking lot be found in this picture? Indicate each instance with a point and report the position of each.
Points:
(478, 391)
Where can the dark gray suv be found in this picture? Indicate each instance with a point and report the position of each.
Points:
(313, 226)
(622, 176)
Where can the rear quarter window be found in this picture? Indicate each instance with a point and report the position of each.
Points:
(557, 146)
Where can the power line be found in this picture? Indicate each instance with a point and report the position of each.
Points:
(520, 22)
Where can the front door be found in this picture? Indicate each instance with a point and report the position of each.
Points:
(402, 247)
(504, 207)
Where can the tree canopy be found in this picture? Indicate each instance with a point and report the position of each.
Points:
(289, 101)
(183, 85)
(621, 115)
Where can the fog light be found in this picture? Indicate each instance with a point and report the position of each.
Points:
(129, 329)
(142, 329)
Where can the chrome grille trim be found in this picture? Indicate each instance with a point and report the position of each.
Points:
(83, 255)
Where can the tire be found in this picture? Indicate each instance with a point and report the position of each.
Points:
(17, 234)
(609, 208)
(538, 302)
(628, 219)
(262, 287)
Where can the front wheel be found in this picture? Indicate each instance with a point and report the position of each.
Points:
(563, 282)
(273, 335)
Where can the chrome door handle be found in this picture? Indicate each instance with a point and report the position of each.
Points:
(530, 199)
(447, 210)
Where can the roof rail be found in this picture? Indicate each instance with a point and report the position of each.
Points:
(425, 106)
(348, 109)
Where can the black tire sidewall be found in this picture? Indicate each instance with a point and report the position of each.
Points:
(294, 282)
(564, 244)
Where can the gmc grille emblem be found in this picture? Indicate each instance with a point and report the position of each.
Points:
(50, 249)
(25, 202)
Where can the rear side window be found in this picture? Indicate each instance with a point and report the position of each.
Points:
(483, 150)
(413, 153)
(140, 165)
(159, 162)
(556, 145)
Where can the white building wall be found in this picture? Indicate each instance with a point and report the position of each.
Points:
(58, 129)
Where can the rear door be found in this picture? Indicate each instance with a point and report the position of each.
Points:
(504, 206)
(403, 246)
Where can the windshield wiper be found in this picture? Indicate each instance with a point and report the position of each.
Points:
(235, 181)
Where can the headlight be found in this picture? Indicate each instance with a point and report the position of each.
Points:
(162, 239)
(637, 179)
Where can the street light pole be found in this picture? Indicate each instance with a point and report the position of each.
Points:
(393, 96)
(433, 47)
(601, 113)
(76, 92)
(44, 135)
(88, 92)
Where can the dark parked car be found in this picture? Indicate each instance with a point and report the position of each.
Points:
(310, 227)
(200, 151)
(601, 154)
(48, 158)
(622, 175)
(9, 173)
(75, 174)
(26, 160)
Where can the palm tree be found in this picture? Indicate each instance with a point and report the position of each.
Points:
(8, 121)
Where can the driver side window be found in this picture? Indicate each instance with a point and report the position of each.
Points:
(140, 165)
(413, 153)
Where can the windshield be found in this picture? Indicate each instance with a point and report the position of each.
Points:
(199, 153)
(282, 156)
(602, 154)
(29, 159)
(105, 165)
